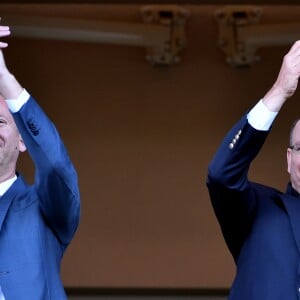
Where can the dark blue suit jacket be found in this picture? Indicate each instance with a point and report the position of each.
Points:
(261, 225)
(37, 222)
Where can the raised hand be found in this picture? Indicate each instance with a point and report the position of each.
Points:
(4, 31)
(9, 86)
(290, 70)
(287, 80)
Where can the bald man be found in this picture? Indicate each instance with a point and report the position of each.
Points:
(38, 221)
(260, 224)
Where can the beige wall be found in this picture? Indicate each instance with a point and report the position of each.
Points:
(141, 139)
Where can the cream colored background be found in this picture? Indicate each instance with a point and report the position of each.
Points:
(141, 138)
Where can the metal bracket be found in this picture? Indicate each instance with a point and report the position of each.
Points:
(173, 19)
(161, 31)
(231, 20)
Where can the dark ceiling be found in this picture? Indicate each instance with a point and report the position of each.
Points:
(178, 2)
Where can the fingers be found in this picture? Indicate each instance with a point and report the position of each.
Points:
(4, 31)
(294, 51)
(3, 45)
(291, 62)
(295, 48)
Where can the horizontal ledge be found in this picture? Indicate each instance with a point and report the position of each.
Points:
(143, 2)
(98, 291)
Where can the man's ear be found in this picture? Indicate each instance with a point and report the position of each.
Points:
(22, 147)
(288, 159)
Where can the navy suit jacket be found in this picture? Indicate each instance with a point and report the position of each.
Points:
(38, 221)
(260, 224)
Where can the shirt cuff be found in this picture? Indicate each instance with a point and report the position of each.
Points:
(15, 105)
(260, 117)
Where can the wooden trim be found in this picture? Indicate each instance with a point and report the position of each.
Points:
(98, 291)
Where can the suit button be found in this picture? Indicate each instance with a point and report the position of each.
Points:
(231, 145)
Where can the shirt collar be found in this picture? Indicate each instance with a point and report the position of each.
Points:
(291, 191)
(5, 185)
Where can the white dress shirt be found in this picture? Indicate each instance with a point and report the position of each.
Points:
(260, 117)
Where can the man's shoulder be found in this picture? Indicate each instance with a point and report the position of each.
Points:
(266, 189)
(24, 194)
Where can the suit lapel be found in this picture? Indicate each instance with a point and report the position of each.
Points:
(7, 199)
(292, 206)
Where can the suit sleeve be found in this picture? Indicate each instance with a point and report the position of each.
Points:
(232, 195)
(55, 176)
